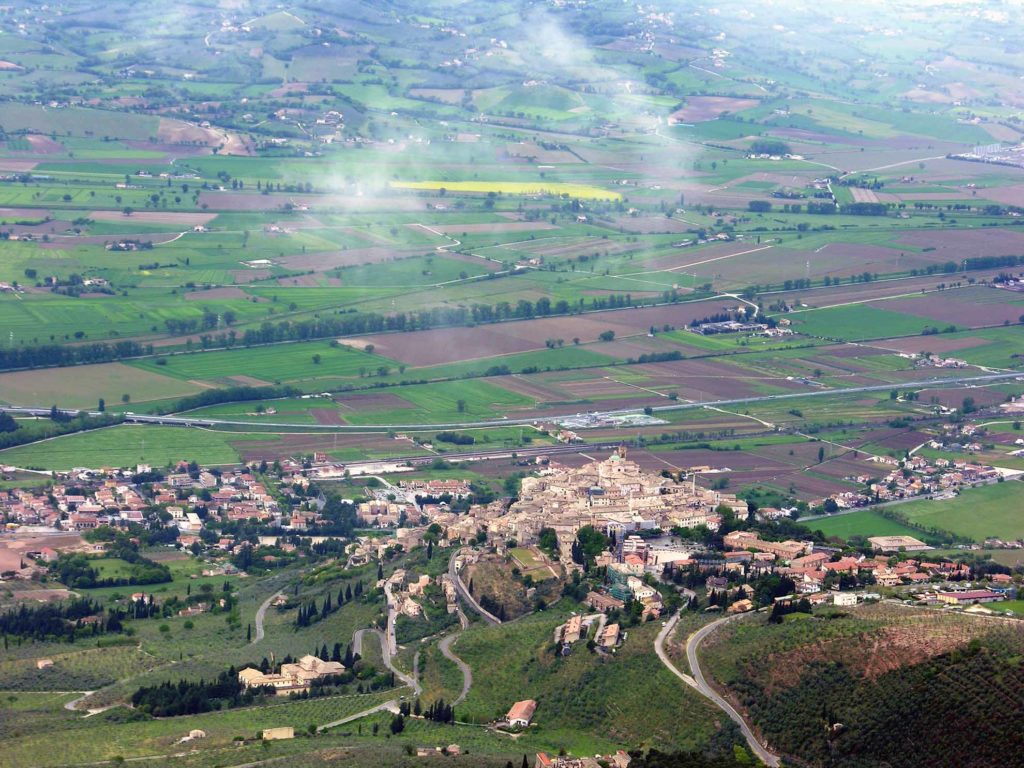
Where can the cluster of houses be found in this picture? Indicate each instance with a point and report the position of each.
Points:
(577, 628)
(85, 499)
(918, 476)
(614, 496)
(619, 760)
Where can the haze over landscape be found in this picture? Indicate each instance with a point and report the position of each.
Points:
(554, 383)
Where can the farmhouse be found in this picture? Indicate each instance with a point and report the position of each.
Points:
(521, 713)
(276, 734)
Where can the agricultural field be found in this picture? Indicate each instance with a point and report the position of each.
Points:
(978, 514)
(864, 523)
(128, 445)
(473, 242)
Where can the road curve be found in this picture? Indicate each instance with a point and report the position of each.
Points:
(460, 588)
(357, 647)
(261, 612)
(467, 674)
(391, 706)
(699, 683)
(659, 648)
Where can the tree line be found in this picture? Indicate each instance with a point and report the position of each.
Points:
(191, 698)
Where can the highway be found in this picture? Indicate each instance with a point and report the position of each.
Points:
(699, 683)
(197, 421)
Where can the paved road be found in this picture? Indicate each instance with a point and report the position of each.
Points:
(699, 682)
(392, 640)
(659, 648)
(460, 588)
(261, 612)
(467, 674)
(390, 706)
(357, 647)
(188, 421)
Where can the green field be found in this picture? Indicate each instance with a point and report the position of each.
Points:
(282, 363)
(128, 445)
(857, 322)
(863, 522)
(980, 513)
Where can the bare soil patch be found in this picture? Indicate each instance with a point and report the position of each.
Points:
(249, 275)
(383, 401)
(327, 416)
(253, 201)
(967, 243)
(44, 145)
(495, 226)
(177, 218)
(290, 88)
(936, 345)
(216, 293)
(321, 262)
(873, 654)
(16, 166)
(701, 108)
(303, 280)
(954, 398)
(446, 345)
(945, 309)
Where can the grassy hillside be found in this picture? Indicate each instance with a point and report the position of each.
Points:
(591, 698)
(880, 685)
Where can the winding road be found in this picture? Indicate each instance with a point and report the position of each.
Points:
(460, 588)
(261, 612)
(698, 682)
(357, 647)
(467, 674)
